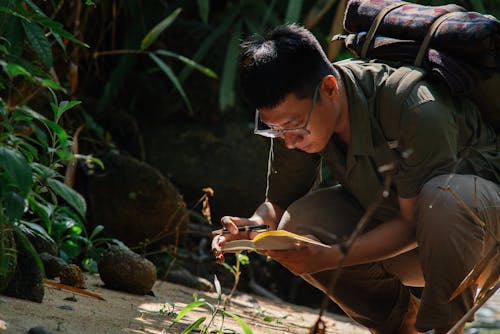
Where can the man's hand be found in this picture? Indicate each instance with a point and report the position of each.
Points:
(231, 224)
(308, 259)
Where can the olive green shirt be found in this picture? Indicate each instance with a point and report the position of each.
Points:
(439, 135)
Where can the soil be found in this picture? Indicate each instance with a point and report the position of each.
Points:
(66, 312)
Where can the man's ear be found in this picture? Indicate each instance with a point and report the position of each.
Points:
(330, 86)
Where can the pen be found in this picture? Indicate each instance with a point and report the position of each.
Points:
(257, 228)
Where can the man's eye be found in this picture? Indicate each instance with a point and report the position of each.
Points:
(295, 124)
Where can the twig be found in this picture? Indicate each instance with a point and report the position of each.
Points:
(476, 307)
(72, 289)
(346, 247)
(476, 272)
(118, 52)
(474, 217)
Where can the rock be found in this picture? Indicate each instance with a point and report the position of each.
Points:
(52, 264)
(27, 282)
(124, 270)
(133, 201)
(225, 157)
(72, 275)
(11, 254)
(184, 277)
(40, 330)
(42, 244)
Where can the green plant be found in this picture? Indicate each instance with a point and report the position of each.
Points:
(241, 260)
(201, 323)
(34, 148)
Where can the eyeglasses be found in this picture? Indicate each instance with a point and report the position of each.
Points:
(275, 132)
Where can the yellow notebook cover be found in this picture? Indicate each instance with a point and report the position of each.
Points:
(271, 240)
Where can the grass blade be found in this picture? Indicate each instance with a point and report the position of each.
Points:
(191, 63)
(293, 11)
(204, 10)
(226, 95)
(153, 34)
(194, 325)
(170, 74)
(188, 309)
(241, 322)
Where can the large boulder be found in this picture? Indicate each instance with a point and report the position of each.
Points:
(133, 201)
(121, 269)
(226, 157)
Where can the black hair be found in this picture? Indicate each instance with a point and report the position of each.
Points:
(287, 60)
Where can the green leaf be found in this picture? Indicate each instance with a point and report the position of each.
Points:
(241, 322)
(62, 108)
(13, 13)
(153, 34)
(41, 210)
(194, 325)
(14, 70)
(48, 83)
(242, 258)
(69, 195)
(98, 229)
(293, 11)
(35, 229)
(17, 169)
(55, 27)
(43, 172)
(35, 8)
(14, 205)
(59, 132)
(191, 63)
(204, 10)
(39, 43)
(226, 94)
(188, 309)
(170, 74)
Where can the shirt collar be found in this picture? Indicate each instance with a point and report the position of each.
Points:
(359, 113)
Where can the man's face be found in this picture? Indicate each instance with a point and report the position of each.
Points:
(309, 114)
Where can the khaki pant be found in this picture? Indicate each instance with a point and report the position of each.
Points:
(376, 295)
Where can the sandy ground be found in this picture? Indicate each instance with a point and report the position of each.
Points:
(126, 313)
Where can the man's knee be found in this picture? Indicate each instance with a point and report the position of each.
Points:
(445, 203)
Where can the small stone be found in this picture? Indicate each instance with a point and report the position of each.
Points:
(72, 275)
(66, 307)
(71, 299)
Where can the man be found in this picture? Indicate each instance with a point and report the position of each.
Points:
(318, 113)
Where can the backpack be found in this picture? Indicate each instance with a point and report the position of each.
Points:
(480, 82)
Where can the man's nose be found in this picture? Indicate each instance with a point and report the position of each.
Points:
(291, 140)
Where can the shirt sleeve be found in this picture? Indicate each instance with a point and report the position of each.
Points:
(291, 173)
(428, 140)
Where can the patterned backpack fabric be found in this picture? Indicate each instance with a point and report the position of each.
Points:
(451, 45)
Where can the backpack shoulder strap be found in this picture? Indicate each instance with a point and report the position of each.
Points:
(391, 98)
